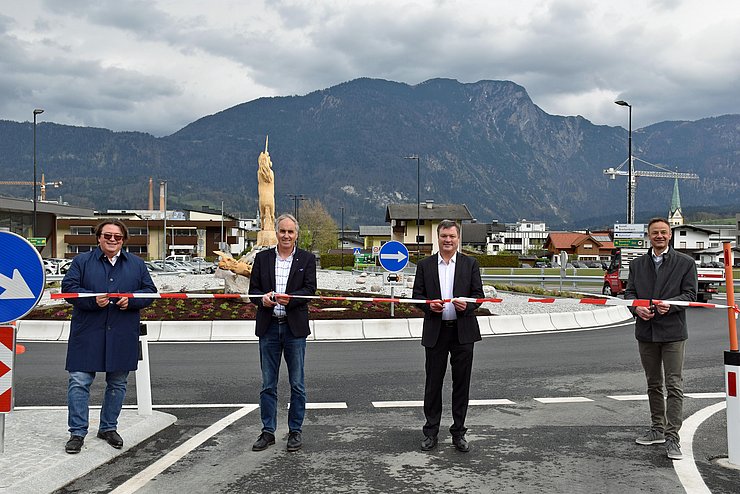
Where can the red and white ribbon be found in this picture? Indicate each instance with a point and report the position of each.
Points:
(591, 301)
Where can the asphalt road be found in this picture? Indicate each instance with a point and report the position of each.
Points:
(524, 445)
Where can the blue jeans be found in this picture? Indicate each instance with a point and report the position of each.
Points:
(277, 341)
(78, 398)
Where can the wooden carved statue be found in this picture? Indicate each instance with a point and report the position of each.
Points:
(266, 189)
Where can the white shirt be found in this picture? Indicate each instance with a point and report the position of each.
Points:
(446, 283)
(282, 270)
(658, 257)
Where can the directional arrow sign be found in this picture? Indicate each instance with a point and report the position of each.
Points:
(22, 277)
(394, 256)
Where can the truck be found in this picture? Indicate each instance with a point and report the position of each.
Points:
(615, 277)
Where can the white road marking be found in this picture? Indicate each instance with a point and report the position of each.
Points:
(566, 399)
(706, 395)
(396, 404)
(688, 473)
(140, 479)
(490, 402)
(325, 406)
(629, 397)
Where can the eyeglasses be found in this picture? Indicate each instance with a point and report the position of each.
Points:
(116, 236)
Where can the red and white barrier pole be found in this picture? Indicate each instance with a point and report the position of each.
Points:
(732, 368)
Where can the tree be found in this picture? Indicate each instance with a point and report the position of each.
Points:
(318, 230)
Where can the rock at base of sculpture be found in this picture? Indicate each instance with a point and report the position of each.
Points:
(236, 272)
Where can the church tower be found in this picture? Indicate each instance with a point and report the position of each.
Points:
(675, 216)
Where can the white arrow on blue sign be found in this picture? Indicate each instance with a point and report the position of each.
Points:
(22, 277)
(394, 256)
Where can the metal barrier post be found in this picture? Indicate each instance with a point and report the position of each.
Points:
(143, 377)
(732, 368)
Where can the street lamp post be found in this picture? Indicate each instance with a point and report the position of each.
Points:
(296, 198)
(164, 223)
(630, 187)
(341, 239)
(37, 111)
(418, 202)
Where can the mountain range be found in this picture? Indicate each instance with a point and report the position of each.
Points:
(485, 144)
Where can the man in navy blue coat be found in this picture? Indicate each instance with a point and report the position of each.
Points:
(282, 326)
(104, 333)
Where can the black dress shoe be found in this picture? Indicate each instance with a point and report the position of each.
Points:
(112, 438)
(461, 444)
(74, 445)
(295, 441)
(266, 439)
(428, 443)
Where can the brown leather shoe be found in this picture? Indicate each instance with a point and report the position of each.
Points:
(112, 438)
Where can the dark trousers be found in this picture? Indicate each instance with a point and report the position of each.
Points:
(663, 364)
(461, 361)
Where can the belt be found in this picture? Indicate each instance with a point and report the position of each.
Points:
(452, 323)
(280, 319)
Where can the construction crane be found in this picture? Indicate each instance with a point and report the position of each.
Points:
(665, 173)
(42, 184)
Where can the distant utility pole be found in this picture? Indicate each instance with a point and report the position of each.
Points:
(296, 198)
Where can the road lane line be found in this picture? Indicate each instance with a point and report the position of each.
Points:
(396, 404)
(490, 402)
(721, 395)
(566, 399)
(629, 397)
(140, 479)
(688, 473)
(325, 406)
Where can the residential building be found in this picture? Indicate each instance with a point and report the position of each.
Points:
(582, 246)
(402, 218)
(524, 236)
(703, 242)
(374, 236)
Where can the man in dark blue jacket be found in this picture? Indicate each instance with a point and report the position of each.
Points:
(662, 274)
(104, 333)
(282, 326)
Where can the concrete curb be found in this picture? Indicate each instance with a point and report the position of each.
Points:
(353, 329)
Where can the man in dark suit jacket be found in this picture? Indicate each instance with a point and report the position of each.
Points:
(282, 327)
(661, 331)
(450, 328)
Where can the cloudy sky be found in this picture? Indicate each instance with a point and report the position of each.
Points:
(157, 65)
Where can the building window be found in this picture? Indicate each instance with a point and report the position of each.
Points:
(78, 249)
(682, 245)
(135, 231)
(700, 245)
(136, 249)
(682, 233)
(81, 230)
(588, 246)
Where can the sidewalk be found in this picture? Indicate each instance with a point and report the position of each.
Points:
(34, 460)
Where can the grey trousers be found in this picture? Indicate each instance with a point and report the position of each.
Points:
(663, 364)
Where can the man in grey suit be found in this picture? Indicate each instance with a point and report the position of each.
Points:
(661, 331)
(450, 329)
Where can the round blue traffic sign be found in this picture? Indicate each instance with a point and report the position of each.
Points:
(22, 277)
(393, 256)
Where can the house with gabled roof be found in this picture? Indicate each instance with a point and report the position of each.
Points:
(402, 218)
(583, 246)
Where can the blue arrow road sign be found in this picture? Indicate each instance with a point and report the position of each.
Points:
(22, 277)
(394, 256)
